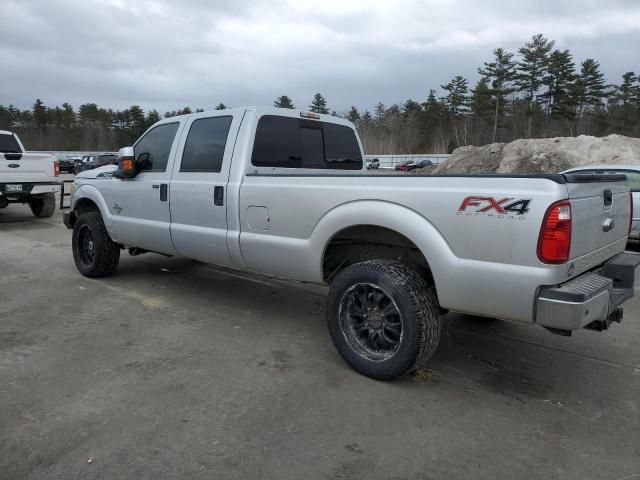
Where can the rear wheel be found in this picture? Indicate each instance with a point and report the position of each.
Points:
(43, 207)
(94, 253)
(383, 318)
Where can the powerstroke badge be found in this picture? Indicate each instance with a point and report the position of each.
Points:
(492, 207)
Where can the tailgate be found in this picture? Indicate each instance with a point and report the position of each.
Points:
(26, 168)
(600, 212)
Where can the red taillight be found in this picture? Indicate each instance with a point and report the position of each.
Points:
(554, 243)
(56, 168)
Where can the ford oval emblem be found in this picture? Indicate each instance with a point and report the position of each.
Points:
(13, 165)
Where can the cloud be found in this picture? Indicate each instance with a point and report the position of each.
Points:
(165, 54)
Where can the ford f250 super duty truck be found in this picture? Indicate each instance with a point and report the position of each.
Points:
(27, 177)
(286, 193)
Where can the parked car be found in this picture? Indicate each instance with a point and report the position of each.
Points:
(90, 162)
(373, 164)
(633, 175)
(30, 178)
(409, 166)
(67, 164)
(421, 164)
(259, 189)
(402, 166)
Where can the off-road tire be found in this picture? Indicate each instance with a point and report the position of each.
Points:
(43, 207)
(107, 252)
(418, 307)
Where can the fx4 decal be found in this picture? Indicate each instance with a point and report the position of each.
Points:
(492, 206)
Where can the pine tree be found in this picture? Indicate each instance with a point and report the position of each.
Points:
(284, 102)
(456, 99)
(531, 72)
(319, 104)
(501, 73)
(379, 112)
(68, 116)
(482, 108)
(40, 114)
(559, 85)
(14, 113)
(625, 97)
(5, 118)
(588, 89)
(411, 107)
(152, 117)
(353, 116)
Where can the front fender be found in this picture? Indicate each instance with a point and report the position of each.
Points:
(90, 192)
(389, 215)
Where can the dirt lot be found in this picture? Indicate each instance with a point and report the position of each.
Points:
(174, 369)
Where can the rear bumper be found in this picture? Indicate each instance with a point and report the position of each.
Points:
(589, 300)
(29, 188)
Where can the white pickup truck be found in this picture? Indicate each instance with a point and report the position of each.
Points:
(30, 178)
(287, 193)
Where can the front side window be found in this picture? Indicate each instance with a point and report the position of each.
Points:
(204, 148)
(286, 142)
(152, 150)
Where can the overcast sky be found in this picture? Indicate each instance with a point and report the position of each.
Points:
(167, 54)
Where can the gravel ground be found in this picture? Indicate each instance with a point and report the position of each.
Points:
(175, 369)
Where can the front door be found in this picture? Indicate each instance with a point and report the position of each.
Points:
(140, 205)
(199, 187)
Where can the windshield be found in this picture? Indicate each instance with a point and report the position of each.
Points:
(9, 144)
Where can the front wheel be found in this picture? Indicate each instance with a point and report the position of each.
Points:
(383, 318)
(94, 253)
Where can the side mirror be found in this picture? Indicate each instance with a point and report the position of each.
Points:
(126, 163)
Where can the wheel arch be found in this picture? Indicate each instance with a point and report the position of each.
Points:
(381, 225)
(88, 198)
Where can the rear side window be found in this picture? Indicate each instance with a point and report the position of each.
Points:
(341, 147)
(632, 176)
(204, 148)
(152, 150)
(286, 142)
(9, 144)
(634, 180)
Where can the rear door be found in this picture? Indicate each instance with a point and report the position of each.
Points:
(199, 187)
(140, 205)
(600, 211)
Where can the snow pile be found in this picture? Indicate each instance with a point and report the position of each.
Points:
(543, 155)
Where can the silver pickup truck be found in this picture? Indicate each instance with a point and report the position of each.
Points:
(286, 193)
(31, 178)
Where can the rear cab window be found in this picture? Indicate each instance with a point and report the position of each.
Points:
(9, 144)
(287, 142)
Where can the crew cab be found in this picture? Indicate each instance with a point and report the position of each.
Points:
(286, 193)
(30, 178)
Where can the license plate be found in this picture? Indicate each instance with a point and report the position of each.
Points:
(13, 188)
